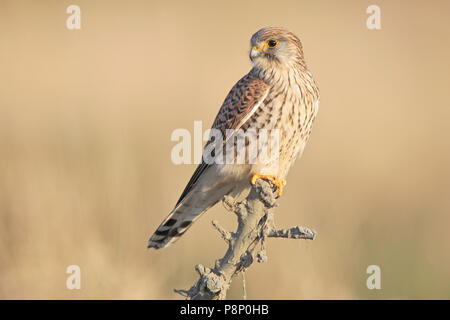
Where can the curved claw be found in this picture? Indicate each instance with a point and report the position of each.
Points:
(279, 183)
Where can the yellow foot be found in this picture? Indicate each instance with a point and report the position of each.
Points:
(280, 183)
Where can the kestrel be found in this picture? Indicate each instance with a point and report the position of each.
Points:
(279, 93)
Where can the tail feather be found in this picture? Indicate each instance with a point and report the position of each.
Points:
(183, 216)
(173, 227)
(199, 196)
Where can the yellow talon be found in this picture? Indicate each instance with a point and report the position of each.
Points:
(273, 179)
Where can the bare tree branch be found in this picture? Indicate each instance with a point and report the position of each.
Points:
(255, 223)
(293, 233)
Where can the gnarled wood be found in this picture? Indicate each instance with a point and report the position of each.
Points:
(255, 224)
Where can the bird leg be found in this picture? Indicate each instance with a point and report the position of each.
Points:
(279, 183)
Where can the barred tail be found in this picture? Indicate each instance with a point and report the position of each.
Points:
(174, 226)
(204, 190)
(182, 217)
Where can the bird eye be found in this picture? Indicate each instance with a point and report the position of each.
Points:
(272, 43)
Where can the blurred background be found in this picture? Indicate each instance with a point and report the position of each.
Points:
(85, 168)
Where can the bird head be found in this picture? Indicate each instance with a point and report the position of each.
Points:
(275, 47)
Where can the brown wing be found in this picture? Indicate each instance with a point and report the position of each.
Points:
(246, 94)
(243, 99)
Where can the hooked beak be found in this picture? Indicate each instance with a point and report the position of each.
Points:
(257, 50)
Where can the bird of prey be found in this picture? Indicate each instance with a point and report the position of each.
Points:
(279, 93)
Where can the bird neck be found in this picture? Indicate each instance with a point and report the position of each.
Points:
(286, 73)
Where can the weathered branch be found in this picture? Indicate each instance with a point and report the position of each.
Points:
(293, 233)
(255, 224)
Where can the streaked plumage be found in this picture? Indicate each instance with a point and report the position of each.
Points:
(278, 93)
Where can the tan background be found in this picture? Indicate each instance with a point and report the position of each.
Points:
(85, 124)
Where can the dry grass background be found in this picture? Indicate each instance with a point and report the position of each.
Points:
(85, 124)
